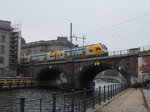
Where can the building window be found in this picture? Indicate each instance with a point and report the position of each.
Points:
(1, 60)
(2, 38)
(2, 49)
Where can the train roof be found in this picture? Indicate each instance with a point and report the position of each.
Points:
(42, 54)
(75, 49)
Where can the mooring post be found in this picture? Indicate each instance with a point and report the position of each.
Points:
(22, 104)
(104, 94)
(93, 101)
(72, 101)
(108, 92)
(111, 92)
(99, 95)
(54, 102)
(40, 105)
(84, 99)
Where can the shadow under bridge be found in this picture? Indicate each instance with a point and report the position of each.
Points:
(89, 72)
(52, 77)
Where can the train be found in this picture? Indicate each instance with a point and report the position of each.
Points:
(88, 51)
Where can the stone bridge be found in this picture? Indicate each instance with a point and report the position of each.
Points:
(80, 73)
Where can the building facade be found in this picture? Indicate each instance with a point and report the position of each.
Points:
(45, 46)
(8, 47)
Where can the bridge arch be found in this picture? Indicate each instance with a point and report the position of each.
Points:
(88, 73)
(51, 76)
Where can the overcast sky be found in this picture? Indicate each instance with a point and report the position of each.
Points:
(119, 24)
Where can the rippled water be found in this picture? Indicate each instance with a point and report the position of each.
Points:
(10, 100)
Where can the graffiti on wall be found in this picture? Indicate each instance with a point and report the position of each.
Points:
(145, 67)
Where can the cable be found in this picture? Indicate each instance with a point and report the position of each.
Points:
(115, 25)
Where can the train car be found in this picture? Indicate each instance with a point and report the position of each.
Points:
(38, 58)
(51, 56)
(25, 59)
(78, 53)
(96, 50)
(89, 51)
(60, 55)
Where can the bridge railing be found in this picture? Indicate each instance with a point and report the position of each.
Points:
(74, 101)
(119, 52)
(129, 51)
(144, 48)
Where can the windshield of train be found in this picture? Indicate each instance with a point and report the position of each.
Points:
(104, 47)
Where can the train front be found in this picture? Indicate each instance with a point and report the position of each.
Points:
(104, 49)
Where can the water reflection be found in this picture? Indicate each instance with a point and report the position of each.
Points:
(10, 100)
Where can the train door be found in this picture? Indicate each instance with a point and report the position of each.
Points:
(66, 56)
(83, 54)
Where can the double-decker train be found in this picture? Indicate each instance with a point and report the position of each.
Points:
(89, 51)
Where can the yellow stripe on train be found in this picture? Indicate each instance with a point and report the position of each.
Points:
(13, 81)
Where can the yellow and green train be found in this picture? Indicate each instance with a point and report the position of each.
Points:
(89, 51)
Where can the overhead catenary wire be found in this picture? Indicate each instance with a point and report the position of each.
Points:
(125, 29)
(118, 24)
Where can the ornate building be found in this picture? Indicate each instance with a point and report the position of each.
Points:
(45, 46)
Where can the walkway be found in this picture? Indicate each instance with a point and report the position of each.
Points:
(131, 101)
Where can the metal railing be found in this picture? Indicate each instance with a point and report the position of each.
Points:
(144, 48)
(128, 51)
(74, 101)
(119, 52)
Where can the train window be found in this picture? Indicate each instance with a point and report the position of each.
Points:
(90, 50)
(98, 49)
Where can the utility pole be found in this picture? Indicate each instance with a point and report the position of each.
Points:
(71, 32)
(70, 40)
(83, 39)
(80, 38)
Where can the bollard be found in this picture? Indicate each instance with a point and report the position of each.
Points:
(54, 102)
(115, 89)
(72, 101)
(40, 105)
(18, 85)
(10, 85)
(121, 87)
(104, 94)
(22, 104)
(24, 84)
(1, 85)
(31, 84)
(93, 99)
(111, 92)
(108, 92)
(99, 95)
(84, 99)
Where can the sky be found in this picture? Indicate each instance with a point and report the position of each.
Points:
(119, 24)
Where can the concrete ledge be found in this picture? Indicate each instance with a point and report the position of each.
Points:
(97, 106)
(146, 94)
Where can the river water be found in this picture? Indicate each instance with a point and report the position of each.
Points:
(10, 100)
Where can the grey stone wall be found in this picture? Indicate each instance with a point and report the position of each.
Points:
(6, 45)
(7, 73)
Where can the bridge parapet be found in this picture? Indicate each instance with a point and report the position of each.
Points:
(145, 48)
(133, 51)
